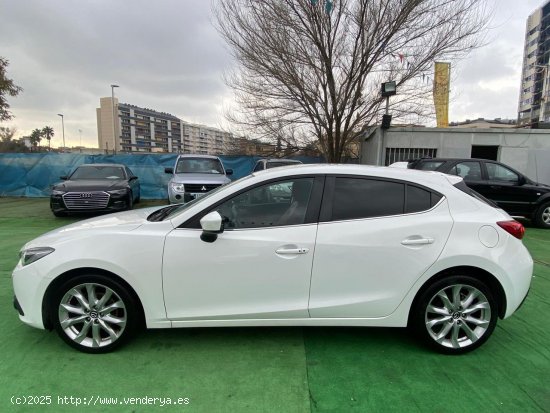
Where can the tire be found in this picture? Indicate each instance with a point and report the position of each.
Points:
(59, 214)
(542, 216)
(455, 315)
(130, 201)
(137, 199)
(98, 328)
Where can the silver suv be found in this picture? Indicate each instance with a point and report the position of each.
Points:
(195, 175)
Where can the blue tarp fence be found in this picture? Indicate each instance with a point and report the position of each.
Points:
(34, 174)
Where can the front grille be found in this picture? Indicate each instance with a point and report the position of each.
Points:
(200, 188)
(86, 200)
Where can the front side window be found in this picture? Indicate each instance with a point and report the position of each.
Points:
(199, 166)
(365, 198)
(467, 170)
(498, 172)
(274, 204)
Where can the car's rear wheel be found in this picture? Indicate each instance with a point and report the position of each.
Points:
(455, 314)
(94, 313)
(542, 216)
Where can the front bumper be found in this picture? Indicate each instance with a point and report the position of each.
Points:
(182, 197)
(117, 202)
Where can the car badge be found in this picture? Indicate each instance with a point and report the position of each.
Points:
(85, 195)
(203, 188)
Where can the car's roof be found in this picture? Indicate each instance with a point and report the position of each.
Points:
(427, 178)
(198, 156)
(282, 160)
(449, 159)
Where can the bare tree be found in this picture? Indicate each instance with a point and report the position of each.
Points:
(311, 70)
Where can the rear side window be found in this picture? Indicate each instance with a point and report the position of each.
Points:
(470, 171)
(365, 198)
(356, 198)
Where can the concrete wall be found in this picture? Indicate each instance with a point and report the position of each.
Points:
(527, 150)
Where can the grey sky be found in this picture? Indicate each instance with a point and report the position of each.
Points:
(166, 55)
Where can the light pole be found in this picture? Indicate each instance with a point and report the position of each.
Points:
(80, 133)
(388, 89)
(114, 117)
(63, 128)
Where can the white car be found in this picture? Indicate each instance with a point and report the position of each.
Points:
(351, 246)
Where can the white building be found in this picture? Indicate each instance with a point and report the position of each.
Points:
(145, 130)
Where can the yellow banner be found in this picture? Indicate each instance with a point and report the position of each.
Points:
(442, 80)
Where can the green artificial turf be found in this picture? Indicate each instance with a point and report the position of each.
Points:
(273, 369)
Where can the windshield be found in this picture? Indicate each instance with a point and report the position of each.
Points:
(275, 164)
(199, 166)
(98, 172)
(175, 211)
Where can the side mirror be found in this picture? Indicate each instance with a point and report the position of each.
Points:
(522, 180)
(212, 225)
(168, 170)
(64, 177)
(133, 178)
(229, 172)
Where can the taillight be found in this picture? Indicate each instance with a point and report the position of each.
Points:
(514, 228)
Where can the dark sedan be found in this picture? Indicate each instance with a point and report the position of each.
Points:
(95, 188)
(509, 189)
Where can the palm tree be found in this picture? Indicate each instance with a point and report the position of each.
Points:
(47, 132)
(35, 137)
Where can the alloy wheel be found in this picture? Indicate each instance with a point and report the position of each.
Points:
(92, 315)
(458, 316)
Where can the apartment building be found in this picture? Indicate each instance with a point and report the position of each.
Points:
(137, 129)
(534, 104)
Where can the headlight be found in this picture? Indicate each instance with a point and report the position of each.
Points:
(57, 192)
(178, 187)
(118, 192)
(31, 255)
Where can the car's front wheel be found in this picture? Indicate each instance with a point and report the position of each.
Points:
(542, 216)
(94, 313)
(455, 314)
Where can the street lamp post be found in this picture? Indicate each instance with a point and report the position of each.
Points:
(388, 89)
(114, 117)
(63, 129)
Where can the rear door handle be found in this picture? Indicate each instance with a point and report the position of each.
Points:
(292, 251)
(417, 241)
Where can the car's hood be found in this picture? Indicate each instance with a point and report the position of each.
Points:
(200, 179)
(91, 185)
(117, 222)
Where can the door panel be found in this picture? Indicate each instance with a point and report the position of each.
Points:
(365, 267)
(240, 275)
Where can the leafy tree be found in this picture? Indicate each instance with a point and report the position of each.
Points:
(8, 144)
(7, 87)
(35, 138)
(311, 70)
(48, 133)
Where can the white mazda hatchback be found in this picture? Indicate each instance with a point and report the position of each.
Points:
(309, 245)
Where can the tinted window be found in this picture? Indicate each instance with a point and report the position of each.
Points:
(467, 170)
(363, 198)
(98, 172)
(429, 165)
(418, 199)
(498, 172)
(274, 204)
(259, 166)
(199, 166)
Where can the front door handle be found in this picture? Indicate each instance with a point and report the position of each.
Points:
(417, 241)
(292, 251)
